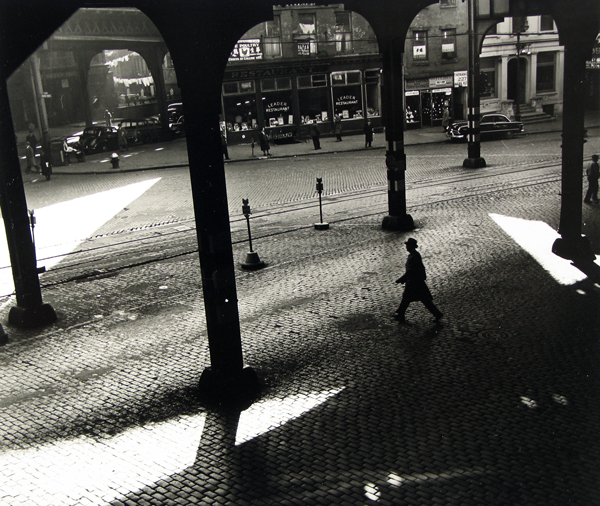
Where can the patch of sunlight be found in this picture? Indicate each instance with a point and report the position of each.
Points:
(61, 227)
(86, 471)
(560, 399)
(159, 149)
(394, 480)
(530, 403)
(537, 238)
(372, 492)
(265, 416)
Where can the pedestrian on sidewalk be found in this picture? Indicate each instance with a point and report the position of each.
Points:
(30, 159)
(46, 169)
(108, 118)
(31, 138)
(263, 139)
(414, 281)
(445, 119)
(123, 146)
(337, 127)
(315, 134)
(592, 173)
(224, 145)
(368, 129)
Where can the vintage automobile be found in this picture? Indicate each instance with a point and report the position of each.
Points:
(98, 138)
(140, 131)
(491, 126)
(177, 127)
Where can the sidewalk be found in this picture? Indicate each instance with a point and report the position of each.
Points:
(173, 154)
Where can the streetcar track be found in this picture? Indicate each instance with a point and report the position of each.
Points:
(71, 269)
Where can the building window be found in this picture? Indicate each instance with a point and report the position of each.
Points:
(420, 45)
(239, 105)
(277, 101)
(372, 93)
(546, 23)
(272, 40)
(306, 34)
(449, 44)
(313, 98)
(343, 32)
(545, 72)
(276, 83)
(447, 3)
(347, 94)
(487, 78)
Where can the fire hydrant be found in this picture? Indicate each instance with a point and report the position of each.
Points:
(114, 159)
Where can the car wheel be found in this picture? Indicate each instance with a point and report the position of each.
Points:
(510, 135)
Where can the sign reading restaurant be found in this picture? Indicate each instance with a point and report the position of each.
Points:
(298, 70)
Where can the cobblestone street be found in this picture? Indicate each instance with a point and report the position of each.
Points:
(496, 405)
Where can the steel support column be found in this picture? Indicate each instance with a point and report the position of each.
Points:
(226, 379)
(393, 116)
(30, 310)
(154, 59)
(474, 159)
(572, 245)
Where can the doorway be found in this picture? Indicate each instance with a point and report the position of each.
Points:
(516, 80)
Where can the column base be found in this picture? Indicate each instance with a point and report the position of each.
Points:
(474, 163)
(252, 262)
(404, 223)
(240, 391)
(28, 317)
(3, 336)
(577, 249)
(322, 226)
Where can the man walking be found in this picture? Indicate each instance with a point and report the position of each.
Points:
(315, 134)
(415, 286)
(593, 173)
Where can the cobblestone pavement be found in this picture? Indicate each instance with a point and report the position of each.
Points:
(496, 405)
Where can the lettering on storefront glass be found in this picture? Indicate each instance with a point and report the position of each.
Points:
(248, 49)
(346, 100)
(277, 107)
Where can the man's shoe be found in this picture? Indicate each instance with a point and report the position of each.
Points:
(398, 317)
(439, 316)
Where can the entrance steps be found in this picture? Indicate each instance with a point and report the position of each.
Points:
(530, 115)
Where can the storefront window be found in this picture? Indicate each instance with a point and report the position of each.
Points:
(373, 95)
(413, 107)
(312, 96)
(277, 101)
(239, 106)
(545, 72)
(487, 77)
(347, 96)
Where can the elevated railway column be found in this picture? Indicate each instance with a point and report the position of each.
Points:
(578, 48)
(395, 157)
(30, 310)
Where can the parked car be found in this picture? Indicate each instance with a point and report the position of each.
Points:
(98, 138)
(174, 111)
(177, 127)
(140, 131)
(491, 125)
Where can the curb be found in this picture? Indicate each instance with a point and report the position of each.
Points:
(283, 156)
